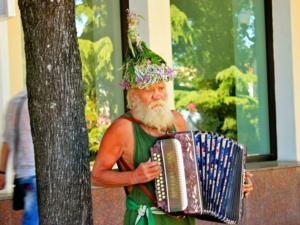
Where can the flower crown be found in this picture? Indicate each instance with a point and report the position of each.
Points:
(142, 67)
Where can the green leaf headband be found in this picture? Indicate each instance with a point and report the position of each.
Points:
(142, 67)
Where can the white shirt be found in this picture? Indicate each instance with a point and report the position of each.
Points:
(192, 119)
(24, 164)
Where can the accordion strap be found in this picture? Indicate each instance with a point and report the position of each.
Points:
(142, 187)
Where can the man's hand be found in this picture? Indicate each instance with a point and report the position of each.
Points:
(248, 186)
(2, 181)
(146, 172)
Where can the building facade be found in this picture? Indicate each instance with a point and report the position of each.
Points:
(285, 33)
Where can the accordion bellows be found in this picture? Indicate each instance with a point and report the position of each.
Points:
(202, 175)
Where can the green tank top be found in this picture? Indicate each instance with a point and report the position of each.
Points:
(142, 145)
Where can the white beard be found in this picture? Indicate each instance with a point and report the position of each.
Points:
(156, 115)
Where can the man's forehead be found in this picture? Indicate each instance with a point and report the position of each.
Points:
(151, 87)
(156, 85)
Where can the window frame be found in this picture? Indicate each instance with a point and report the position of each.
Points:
(271, 87)
(124, 4)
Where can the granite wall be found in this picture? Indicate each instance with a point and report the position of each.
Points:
(275, 200)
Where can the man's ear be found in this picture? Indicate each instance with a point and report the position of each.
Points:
(131, 96)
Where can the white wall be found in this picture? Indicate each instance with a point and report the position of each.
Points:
(4, 70)
(286, 35)
(4, 92)
(295, 25)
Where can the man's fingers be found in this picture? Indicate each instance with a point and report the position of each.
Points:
(248, 174)
(247, 189)
(247, 194)
(151, 166)
(248, 177)
(248, 186)
(153, 169)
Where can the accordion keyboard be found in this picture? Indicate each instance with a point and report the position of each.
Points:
(171, 184)
(160, 184)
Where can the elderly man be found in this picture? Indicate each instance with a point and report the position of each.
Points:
(129, 138)
(131, 141)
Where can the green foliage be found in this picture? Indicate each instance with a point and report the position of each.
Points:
(94, 14)
(214, 52)
(210, 36)
(229, 127)
(187, 78)
(96, 50)
(218, 106)
(96, 65)
(180, 26)
(95, 128)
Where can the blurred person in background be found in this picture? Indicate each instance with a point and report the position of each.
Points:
(192, 117)
(17, 140)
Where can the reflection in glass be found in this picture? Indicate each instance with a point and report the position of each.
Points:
(219, 54)
(99, 37)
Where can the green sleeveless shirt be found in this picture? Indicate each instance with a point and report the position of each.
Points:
(142, 144)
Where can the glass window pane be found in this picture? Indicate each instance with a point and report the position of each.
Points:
(219, 53)
(99, 37)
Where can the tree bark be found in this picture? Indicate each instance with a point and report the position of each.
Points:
(56, 106)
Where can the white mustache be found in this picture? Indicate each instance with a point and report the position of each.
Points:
(157, 103)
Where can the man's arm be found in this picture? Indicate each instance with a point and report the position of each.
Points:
(118, 142)
(3, 162)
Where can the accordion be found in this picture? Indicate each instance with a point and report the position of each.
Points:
(202, 175)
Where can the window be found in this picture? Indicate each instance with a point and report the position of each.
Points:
(224, 67)
(99, 37)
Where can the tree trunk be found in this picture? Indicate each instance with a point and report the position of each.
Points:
(56, 106)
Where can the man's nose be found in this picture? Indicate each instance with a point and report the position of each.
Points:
(157, 95)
